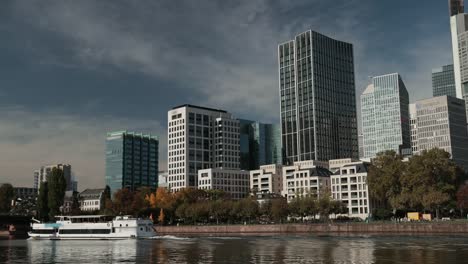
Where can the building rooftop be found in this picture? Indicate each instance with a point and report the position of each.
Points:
(89, 193)
(199, 107)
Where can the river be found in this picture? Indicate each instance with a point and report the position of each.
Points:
(262, 249)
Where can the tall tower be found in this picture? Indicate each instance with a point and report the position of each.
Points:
(456, 7)
(385, 115)
(317, 92)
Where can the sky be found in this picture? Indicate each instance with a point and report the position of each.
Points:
(70, 71)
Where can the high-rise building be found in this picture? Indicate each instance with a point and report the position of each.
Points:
(43, 174)
(385, 117)
(456, 7)
(260, 144)
(361, 145)
(200, 138)
(441, 123)
(443, 81)
(131, 160)
(458, 25)
(317, 96)
(413, 128)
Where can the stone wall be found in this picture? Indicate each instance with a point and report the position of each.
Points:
(358, 228)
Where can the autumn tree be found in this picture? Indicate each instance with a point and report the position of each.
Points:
(123, 202)
(161, 216)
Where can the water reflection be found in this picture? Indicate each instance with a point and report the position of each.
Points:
(291, 249)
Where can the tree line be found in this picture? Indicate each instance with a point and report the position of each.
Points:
(429, 182)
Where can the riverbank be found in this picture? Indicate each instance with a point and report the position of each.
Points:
(321, 229)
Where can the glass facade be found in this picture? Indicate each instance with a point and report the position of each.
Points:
(443, 81)
(131, 160)
(317, 92)
(260, 144)
(456, 7)
(385, 115)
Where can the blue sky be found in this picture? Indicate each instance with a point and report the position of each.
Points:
(72, 70)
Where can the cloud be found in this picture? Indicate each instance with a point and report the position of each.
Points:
(29, 140)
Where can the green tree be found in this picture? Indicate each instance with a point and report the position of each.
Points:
(462, 198)
(75, 208)
(279, 209)
(248, 208)
(325, 205)
(57, 186)
(7, 193)
(42, 202)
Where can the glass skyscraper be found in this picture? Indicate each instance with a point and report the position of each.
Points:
(443, 81)
(260, 144)
(318, 98)
(131, 160)
(385, 116)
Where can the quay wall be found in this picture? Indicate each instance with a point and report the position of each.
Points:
(356, 228)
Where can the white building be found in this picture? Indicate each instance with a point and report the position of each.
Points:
(234, 182)
(200, 138)
(349, 184)
(267, 179)
(305, 177)
(91, 199)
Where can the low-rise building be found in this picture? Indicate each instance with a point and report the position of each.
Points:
(349, 185)
(236, 183)
(305, 177)
(25, 192)
(267, 179)
(91, 199)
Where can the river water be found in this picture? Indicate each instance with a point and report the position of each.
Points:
(264, 249)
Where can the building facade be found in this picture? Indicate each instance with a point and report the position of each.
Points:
(317, 97)
(233, 182)
(304, 178)
(440, 122)
(349, 185)
(443, 81)
(260, 144)
(43, 174)
(456, 7)
(200, 138)
(91, 200)
(131, 160)
(385, 116)
(267, 179)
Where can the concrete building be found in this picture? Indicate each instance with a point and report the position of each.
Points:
(200, 138)
(361, 145)
(440, 122)
(317, 98)
(456, 7)
(162, 176)
(349, 185)
(443, 81)
(91, 200)
(42, 175)
(260, 144)
(458, 25)
(267, 179)
(305, 177)
(413, 128)
(385, 117)
(131, 160)
(236, 183)
(463, 59)
(336, 164)
(25, 192)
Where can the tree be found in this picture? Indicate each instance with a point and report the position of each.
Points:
(7, 193)
(279, 209)
(161, 216)
(248, 208)
(57, 186)
(123, 201)
(462, 198)
(325, 205)
(383, 178)
(42, 202)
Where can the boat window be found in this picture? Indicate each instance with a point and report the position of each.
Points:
(85, 231)
(43, 231)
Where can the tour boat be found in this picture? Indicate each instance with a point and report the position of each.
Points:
(93, 227)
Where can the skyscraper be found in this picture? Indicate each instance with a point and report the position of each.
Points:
(385, 117)
(317, 95)
(456, 7)
(458, 25)
(131, 160)
(443, 81)
(260, 144)
(200, 138)
(441, 123)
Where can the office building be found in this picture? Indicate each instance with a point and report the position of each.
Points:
(456, 7)
(413, 128)
(361, 145)
(131, 160)
(443, 81)
(260, 144)
(25, 192)
(43, 174)
(349, 185)
(200, 138)
(385, 117)
(235, 183)
(441, 123)
(305, 178)
(317, 96)
(267, 179)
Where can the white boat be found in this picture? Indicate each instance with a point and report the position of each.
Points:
(93, 227)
